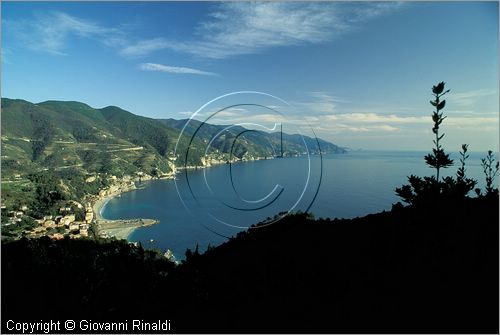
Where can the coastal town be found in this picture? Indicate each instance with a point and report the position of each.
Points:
(82, 218)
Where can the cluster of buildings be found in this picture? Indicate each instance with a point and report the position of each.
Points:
(64, 224)
(217, 158)
(15, 216)
(124, 184)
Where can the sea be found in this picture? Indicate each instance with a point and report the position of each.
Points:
(205, 207)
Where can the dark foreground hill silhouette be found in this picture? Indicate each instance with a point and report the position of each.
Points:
(426, 270)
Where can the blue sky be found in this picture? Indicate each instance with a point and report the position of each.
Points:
(359, 74)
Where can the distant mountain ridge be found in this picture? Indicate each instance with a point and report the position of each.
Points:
(63, 134)
(259, 141)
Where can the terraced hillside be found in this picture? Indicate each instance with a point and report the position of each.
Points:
(60, 135)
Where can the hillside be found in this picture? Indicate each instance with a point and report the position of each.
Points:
(59, 135)
(425, 270)
(63, 134)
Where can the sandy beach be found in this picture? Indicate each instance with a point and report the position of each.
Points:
(120, 229)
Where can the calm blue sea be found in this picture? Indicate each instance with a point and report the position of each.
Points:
(202, 206)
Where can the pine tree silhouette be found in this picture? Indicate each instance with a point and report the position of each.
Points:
(431, 190)
(438, 159)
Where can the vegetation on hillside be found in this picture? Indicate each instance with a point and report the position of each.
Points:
(433, 190)
(60, 135)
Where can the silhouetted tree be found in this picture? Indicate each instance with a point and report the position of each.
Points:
(428, 189)
(490, 170)
(464, 184)
(438, 159)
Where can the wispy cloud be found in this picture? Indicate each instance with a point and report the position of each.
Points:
(325, 96)
(144, 47)
(230, 29)
(50, 32)
(331, 113)
(174, 69)
(389, 123)
(335, 115)
(340, 127)
(186, 113)
(364, 118)
(331, 120)
(320, 102)
(240, 28)
(470, 98)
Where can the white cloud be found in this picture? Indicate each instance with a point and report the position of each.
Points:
(357, 129)
(144, 47)
(378, 118)
(173, 69)
(329, 112)
(347, 128)
(239, 28)
(386, 127)
(470, 98)
(471, 122)
(320, 103)
(230, 29)
(380, 122)
(325, 96)
(49, 32)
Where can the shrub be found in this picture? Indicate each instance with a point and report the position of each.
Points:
(490, 170)
(433, 190)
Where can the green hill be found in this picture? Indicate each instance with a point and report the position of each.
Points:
(63, 134)
(60, 135)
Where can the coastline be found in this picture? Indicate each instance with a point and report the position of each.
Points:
(121, 228)
(99, 205)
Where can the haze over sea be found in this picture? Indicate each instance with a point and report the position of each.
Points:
(353, 184)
